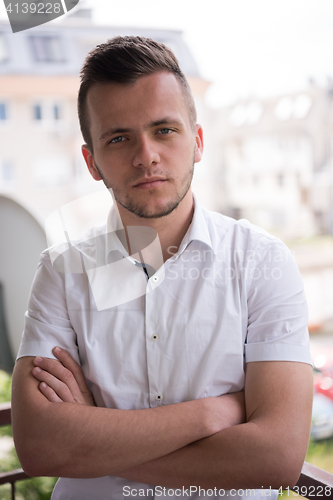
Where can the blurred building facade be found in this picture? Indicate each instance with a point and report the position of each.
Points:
(274, 162)
(41, 165)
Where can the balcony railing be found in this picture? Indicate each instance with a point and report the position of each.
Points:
(314, 483)
(15, 475)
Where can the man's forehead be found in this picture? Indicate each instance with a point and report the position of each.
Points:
(150, 99)
(156, 84)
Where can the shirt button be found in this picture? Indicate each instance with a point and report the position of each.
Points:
(154, 337)
(155, 279)
(158, 397)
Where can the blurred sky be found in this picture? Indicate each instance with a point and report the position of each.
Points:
(245, 47)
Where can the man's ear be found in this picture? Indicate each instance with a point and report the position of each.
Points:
(89, 159)
(198, 143)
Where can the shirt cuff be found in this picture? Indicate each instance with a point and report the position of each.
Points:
(44, 349)
(262, 351)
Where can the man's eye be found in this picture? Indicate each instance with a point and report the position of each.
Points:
(120, 138)
(165, 131)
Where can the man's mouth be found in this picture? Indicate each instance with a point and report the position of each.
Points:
(150, 183)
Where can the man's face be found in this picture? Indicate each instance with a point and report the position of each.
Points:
(144, 146)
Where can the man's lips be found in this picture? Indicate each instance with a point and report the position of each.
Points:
(149, 183)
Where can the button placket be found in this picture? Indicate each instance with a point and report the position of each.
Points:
(153, 352)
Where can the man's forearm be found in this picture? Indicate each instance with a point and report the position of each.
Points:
(237, 457)
(73, 440)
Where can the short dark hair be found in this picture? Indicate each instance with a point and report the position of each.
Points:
(123, 59)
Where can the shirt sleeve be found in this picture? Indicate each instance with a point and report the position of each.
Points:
(47, 323)
(277, 309)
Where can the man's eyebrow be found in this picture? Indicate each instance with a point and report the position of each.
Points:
(167, 120)
(164, 121)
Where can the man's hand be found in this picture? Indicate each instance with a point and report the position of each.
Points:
(62, 381)
(65, 382)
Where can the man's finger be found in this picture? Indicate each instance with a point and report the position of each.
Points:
(49, 393)
(54, 383)
(68, 362)
(63, 379)
(59, 378)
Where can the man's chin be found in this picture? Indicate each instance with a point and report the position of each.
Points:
(144, 212)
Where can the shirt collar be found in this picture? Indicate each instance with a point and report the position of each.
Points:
(114, 224)
(198, 230)
(114, 249)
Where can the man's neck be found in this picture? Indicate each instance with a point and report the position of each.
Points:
(171, 228)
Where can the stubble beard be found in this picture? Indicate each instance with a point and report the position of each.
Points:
(141, 211)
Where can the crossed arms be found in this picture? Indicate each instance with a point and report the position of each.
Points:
(209, 442)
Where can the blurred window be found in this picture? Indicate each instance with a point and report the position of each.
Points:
(47, 111)
(8, 173)
(52, 171)
(246, 114)
(3, 111)
(254, 113)
(321, 221)
(302, 106)
(46, 49)
(3, 49)
(281, 179)
(298, 108)
(37, 112)
(284, 108)
(56, 112)
(238, 115)
(305, 196)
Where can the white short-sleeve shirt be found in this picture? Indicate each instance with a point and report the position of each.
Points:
(231, 294)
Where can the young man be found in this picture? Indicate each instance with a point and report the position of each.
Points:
(155, 397)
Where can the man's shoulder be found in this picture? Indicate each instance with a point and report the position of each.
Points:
(240, 233)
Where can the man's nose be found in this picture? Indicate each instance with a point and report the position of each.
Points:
(146, 152)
